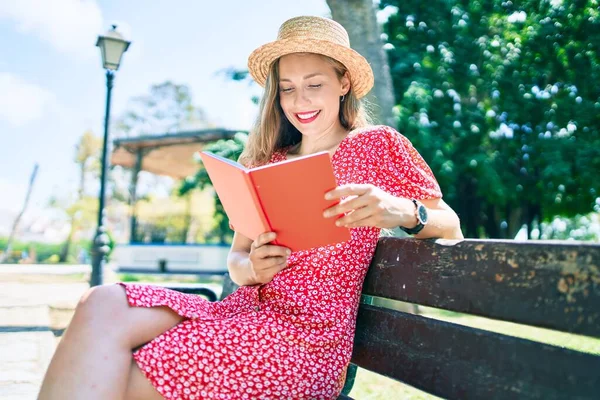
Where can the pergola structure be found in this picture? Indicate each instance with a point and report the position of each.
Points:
(170, 154)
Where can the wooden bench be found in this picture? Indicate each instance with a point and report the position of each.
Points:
(554, 285)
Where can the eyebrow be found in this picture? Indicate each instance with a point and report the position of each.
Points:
(305, 77)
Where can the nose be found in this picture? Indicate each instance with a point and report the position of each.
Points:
(301, 99)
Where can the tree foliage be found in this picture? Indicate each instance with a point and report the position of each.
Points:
(167, 108)
(503, 100)
(228, 148)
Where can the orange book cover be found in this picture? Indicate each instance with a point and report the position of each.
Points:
(286, 198)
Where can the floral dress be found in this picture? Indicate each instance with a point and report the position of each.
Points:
(292, 337)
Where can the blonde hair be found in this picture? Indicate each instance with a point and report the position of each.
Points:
(272, 131)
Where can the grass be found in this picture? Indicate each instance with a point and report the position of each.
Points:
(371, 386)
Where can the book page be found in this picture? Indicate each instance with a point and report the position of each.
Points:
(233, 186)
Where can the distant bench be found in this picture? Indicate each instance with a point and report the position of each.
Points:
(174, 259)
(553, 285)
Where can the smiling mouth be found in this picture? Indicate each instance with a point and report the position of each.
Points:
(307, 117)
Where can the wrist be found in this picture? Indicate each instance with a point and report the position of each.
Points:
(240, 269)
(419, 218)
(406, 214)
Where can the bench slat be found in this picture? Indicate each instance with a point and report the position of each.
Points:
(457, 362)
(555, 286)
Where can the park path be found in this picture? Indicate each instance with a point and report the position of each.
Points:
(36, 303)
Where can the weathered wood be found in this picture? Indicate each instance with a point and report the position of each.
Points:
(350, 378)
(458, 362)
(551, 285)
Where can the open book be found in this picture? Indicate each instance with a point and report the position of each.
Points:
(286, 198)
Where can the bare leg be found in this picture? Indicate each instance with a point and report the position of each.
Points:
(93, 360)
(139, 387)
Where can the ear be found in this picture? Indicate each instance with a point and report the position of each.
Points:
(345, 81)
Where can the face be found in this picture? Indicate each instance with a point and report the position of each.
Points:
(309, 93)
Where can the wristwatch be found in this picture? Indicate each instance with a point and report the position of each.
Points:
(421, 214)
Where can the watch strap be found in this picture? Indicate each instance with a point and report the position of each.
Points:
(420, 225)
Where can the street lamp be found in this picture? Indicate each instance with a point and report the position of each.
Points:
(112, 46)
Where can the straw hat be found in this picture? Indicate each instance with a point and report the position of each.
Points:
(313, 35)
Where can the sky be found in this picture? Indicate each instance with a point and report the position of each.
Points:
(53, 87)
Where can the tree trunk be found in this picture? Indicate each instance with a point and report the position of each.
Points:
(64, 252)
(133, 237)
(13, 231)
(467, 210)
(514, 218)
(492, 226)
(81, 180)
(187, 217)
(359, 19)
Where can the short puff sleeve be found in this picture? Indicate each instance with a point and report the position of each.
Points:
(404, 171)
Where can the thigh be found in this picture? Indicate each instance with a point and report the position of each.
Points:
(106, 309)
(146, 323)
(139, 387)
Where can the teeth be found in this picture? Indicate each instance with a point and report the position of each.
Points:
(307, 116)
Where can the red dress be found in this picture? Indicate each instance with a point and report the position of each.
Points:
(292, 337)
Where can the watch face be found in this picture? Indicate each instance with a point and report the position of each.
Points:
(422, 214)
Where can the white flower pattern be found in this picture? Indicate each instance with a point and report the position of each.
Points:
(292, 337)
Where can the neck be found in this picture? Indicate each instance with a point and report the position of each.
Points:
(326, 141)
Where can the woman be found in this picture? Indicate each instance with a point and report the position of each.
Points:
(287, 332)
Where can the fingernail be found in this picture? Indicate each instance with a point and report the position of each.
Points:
(327, 196)
(338, 223)
(288, 252)
(326, 214)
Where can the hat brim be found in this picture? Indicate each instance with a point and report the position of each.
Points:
(361, 74)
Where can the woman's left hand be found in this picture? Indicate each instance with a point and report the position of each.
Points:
(368, 205)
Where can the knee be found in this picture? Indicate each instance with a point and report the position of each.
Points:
(109, 300)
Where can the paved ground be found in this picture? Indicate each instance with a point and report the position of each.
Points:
(35, 301)
(36, 304)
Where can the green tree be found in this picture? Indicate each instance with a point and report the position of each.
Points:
(502, 99)
(87, 158)
(80, 211)
(231, 149)
(359, 19)
(167, 108)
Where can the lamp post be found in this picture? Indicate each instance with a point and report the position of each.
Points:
(112, 46)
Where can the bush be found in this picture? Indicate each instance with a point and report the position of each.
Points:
(45, 252)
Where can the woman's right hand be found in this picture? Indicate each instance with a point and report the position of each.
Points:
(266, 259)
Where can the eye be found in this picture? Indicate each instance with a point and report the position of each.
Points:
(315, 86)
(285, 90)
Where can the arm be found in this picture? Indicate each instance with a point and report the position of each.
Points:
(238, 261)
(367, 205)
(443, 222)
(252, 263)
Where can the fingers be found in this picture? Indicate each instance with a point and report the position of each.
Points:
(347, 205)
(267, 259)
(358, 215)
(266, 275)
(347, 190)
(263, 239)
(277, 263)
(272, 251)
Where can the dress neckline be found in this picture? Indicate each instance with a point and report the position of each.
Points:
(333, 157)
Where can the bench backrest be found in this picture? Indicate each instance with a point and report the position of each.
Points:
(543, 284)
